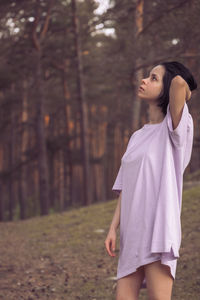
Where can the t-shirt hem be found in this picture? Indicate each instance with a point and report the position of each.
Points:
(158, 247)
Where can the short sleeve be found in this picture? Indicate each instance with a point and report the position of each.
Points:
(117, 187)
(179, 134)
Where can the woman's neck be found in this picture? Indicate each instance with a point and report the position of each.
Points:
(155, 114)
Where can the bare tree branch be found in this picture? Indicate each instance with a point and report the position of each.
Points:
(36, 41)
(47, 20)
(145, 28)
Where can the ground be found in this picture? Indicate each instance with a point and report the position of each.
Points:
(63, 256)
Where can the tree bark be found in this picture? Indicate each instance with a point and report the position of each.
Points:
(24, 147)
(41, 140)
(40, 128)
(11, 159)
(138, 75)
(87, 199)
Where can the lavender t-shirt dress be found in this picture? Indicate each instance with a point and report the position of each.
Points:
(150, 179)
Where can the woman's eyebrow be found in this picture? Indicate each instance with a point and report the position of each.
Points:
(154, 74)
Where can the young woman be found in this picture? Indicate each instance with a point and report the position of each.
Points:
(149, 184)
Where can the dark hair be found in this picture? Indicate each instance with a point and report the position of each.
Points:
(172, 69)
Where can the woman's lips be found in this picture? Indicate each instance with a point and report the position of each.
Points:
(141, 88)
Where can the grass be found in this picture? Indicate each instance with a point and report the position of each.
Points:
(61, 256)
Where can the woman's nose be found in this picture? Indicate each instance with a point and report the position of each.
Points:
(144, 80)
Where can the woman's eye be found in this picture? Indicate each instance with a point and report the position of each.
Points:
(154, 77)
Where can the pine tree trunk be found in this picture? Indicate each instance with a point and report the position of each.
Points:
(2, 213)
(38, 37)
(139, 74)
(24, 147)
(41, 140)
(87, 199)
(68, 167)
(11, 158)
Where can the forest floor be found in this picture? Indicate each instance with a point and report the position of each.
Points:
(63, 256)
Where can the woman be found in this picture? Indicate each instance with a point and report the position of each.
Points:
(149, 184)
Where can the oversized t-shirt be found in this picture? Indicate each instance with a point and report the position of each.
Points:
(151, 180)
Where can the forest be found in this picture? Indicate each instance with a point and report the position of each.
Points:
(69, 75)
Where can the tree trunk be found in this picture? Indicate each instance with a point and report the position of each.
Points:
(38, 38)
(68, 166)
(1, 202)
(87, 199)
(41, 140)
(24, 147)
(139, 74)
(11, 159)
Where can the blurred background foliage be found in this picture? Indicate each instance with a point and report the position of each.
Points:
(69, 74)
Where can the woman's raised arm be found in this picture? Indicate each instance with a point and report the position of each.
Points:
(179, 93)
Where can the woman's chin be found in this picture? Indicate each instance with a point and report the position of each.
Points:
(140, 95)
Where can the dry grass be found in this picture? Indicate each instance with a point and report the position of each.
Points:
(61, 256)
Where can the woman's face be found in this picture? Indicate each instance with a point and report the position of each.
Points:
(152, 85)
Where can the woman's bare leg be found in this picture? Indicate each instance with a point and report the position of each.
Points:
(159, 281)
(128, 287)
